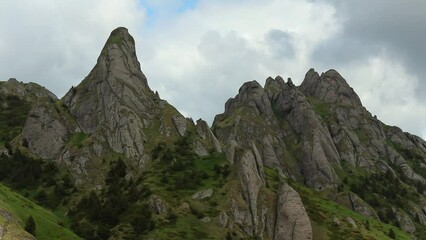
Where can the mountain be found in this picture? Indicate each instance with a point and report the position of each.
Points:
(112, 112)
(281, 162)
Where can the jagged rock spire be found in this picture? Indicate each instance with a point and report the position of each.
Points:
(330, 87)
(114, 101)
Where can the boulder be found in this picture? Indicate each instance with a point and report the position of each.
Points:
(203, 194)
(292, 220)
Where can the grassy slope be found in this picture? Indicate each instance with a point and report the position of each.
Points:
(322, 211)
(48, 225)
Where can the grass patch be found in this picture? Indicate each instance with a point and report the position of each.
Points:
(188, 227)
(322, 211)
(272, 178)
(78, 139)
(321, 108)
(48, 225)
(117, 39)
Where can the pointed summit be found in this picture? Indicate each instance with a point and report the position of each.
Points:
(113, 112)
(114, 101)
(119, 56)
(330, 87)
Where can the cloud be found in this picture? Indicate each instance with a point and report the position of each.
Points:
(198, 53)
(56, 43)
(280, 44)
(382, 42)
(371, 26)
(200, 58)
(387, 90)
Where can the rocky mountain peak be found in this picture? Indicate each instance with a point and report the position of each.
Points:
(115, 80)
(112, 112)
(330, 87)
(253, 95)
(30, 92)
(119, 56)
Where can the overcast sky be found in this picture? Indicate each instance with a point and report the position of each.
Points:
(198, 53)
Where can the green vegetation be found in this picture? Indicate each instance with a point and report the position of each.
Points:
(13, 114)
(30, 225)
(388, 193)
(35, 178)
(412, 156)
(321, 108)
(115, 38)
(323, 213)
(123, 207)
(78, 139)
(273, 178)
(46, 224)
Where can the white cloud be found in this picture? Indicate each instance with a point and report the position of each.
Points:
(200, 58)
(388, 91)
(56, 43)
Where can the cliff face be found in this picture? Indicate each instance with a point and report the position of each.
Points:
(112, 112)
(290, 152)
(312, 132)
(114, 102)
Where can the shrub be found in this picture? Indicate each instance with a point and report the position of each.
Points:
(30, 225)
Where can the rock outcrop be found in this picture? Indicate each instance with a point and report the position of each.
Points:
(292, 220)
(114, 101)
(308, 133)
(30, 92)
(112, 111)
(44, 133)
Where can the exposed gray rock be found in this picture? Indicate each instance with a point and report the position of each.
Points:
(206, 134)
(203, 194)
(206, 220)
(114, 100)
(44, 131)
(351, 222)
(199, 149)
(31, 92)
(292, 220)
(405, 222)
(158, 205)
(336, 221)
(180, 123)
(270, 158)
(241, 216)
(330, 87)
(222, 219)
(360, 206)
(251, 180)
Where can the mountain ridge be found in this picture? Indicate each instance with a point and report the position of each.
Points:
(270, 167)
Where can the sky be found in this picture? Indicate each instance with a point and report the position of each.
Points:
(197, 53)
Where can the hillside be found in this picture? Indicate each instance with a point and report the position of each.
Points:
(15, 211)
(115, 161)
